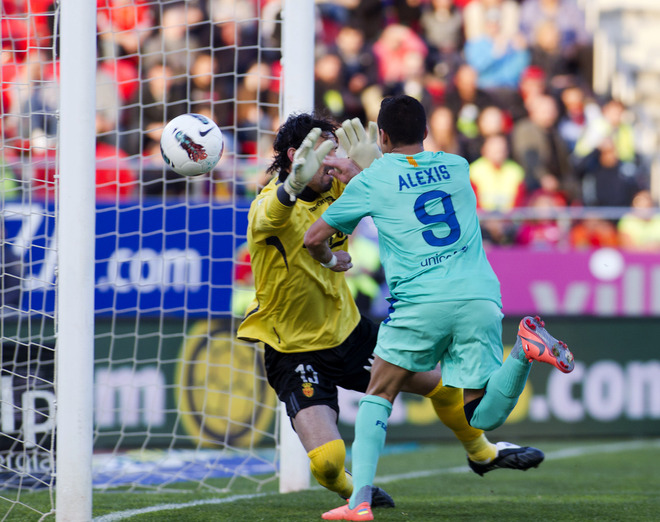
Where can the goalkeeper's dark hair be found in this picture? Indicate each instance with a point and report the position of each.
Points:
(403, 118)
(291, 134)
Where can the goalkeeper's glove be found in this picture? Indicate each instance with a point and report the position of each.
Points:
(361, 147)
(306, 162)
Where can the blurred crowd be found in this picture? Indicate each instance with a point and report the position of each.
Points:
(506, 84)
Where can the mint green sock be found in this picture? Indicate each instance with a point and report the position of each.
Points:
(370, 432)
(502, 392)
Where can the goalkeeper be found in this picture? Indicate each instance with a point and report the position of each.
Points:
(315, 338)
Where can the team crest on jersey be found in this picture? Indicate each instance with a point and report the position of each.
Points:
(307, 389)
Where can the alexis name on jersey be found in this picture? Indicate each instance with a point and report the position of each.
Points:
(423, 177)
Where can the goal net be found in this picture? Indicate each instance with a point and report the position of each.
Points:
(178, 401)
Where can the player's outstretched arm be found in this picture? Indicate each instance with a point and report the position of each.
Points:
(361, 147)
(316, 242)
(306, 162)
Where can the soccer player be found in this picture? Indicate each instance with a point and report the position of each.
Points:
(315, 338)
(445, 303)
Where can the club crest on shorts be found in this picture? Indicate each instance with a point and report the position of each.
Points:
(307, 389)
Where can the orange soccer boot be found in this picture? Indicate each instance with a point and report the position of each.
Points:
(539, 345)
(360, 512)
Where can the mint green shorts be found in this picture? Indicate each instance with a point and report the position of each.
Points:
(464, 336)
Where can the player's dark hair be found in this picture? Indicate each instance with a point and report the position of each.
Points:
(403, 118)
(291, 134)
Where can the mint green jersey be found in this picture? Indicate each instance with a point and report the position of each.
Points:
(425, 211)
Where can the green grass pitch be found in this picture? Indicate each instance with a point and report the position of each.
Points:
(580, 480)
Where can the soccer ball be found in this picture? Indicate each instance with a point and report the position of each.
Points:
(191, 144)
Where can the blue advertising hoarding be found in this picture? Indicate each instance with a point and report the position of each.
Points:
(154, 257)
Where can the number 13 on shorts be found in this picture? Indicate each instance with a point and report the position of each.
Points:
(307, 373)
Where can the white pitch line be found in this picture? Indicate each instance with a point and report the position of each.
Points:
(554, 455)
(122, 515)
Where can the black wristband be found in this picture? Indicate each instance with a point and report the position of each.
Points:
(284, 197)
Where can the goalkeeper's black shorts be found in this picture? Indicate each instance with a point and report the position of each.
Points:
(309, 379)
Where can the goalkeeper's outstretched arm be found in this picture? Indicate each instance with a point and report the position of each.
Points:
(306, 162)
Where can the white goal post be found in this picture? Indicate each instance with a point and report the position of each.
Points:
(298, 53)
(74, 349)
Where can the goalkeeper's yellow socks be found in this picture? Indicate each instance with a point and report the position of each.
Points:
(327, 465)
(480, 450)
(448, 405)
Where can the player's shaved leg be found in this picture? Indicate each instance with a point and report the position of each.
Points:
(316, 427)
(387, 379)
(423, 383)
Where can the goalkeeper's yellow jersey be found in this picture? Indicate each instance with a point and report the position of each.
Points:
(299, 305)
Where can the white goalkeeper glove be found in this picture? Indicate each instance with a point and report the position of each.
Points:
(361, 147)
(306, 162)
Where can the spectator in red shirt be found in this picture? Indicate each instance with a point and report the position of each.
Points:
(544, 231)
(392, 50)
